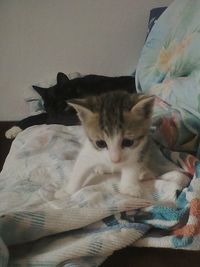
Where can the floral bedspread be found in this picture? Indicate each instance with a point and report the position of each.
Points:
(169, 67)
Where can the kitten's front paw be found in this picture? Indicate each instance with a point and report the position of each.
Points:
(133, 190)
(13, 132)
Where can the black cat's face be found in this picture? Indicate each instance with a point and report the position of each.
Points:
(53, 101)
(54, 104)
(53, 98)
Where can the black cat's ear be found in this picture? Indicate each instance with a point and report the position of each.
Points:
(62, 79)
(144, 107)
(41, 91)
(80, 105)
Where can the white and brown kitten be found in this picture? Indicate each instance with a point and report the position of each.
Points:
(117, 128)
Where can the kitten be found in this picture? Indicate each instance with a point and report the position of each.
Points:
(117, 128)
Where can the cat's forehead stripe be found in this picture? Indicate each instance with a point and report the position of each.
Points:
(112, 111)
(111, 115)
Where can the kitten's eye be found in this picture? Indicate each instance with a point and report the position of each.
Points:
(101, 144)
(127, 142)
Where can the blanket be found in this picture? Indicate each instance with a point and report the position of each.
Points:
(83, 229)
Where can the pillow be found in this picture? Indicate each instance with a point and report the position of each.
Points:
(35, 105)
(154, 15)
(169, 65)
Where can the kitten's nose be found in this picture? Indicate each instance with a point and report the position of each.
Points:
(115, 155)
(116, 159)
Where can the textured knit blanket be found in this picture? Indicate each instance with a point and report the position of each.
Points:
(83, 229)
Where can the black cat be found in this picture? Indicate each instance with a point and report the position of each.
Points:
(55, 97)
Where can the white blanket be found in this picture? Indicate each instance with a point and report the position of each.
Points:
(102, 219)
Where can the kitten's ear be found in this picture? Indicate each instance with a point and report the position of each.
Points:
(62, 78)
(41, 91)
(144, 107)
(80, 105)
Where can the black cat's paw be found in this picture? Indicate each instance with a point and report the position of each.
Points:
(13, 132)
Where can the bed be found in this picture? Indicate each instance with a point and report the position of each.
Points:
(84, 229)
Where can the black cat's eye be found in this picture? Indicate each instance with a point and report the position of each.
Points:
(127, 142)
(101, 144)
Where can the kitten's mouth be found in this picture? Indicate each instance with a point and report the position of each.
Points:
(117, 161)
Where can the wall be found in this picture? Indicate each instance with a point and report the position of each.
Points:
(40, 38)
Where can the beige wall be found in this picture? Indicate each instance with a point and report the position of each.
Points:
(41, 37)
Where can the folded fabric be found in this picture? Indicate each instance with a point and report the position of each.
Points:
(169, 63)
